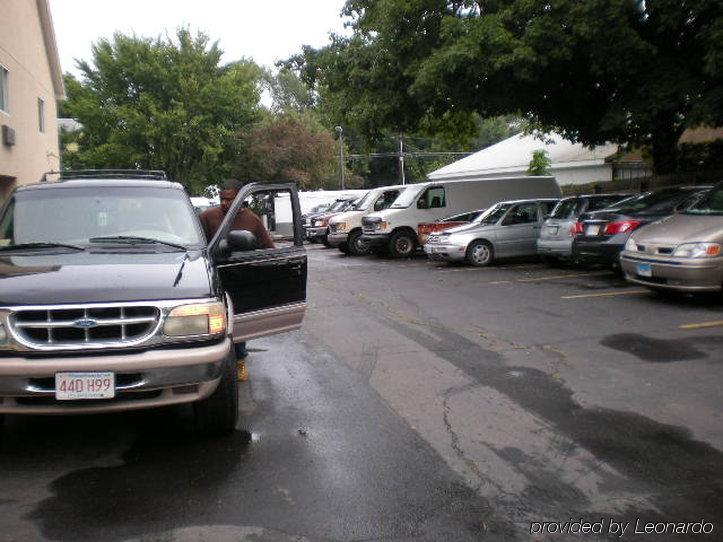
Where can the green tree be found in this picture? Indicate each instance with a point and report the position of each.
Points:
(288, 147)
(635, 72)
(540, 163)
(162, 104)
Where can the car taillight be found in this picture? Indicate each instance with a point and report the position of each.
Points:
(611, 228)
(576, 229)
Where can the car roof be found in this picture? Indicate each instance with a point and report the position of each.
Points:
(98, 183)
(528, 200)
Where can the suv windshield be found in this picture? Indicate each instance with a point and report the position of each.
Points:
(493, 214)
(711, 204)
(78, 215)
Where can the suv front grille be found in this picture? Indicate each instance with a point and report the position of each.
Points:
(83, 326)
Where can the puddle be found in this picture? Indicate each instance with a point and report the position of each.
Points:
(655, 350)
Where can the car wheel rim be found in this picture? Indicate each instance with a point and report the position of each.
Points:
(481, 254)
(403, 245)
(360, 245)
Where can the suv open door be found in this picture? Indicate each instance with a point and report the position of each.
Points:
(266, 286)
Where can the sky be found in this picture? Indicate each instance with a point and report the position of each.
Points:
(263, 31)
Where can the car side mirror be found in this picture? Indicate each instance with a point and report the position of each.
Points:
(422, 204)
(241, 241)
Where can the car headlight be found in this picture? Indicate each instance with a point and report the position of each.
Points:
(341, 226)
(631, 245)
(697, 250)
(383, 225)
(196, 319)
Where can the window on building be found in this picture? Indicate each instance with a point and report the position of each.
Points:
(3, 89)
(41, 115)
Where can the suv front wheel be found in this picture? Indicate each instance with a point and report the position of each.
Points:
(218, 413)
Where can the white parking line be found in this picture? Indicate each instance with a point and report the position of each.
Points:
(606, 294)
(702, 325)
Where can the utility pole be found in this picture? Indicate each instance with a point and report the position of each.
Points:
(401, 159)
(341, 155)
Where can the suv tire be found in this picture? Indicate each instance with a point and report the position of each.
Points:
(480, 253)
(218, 413)
(357, 247)
(402, 244)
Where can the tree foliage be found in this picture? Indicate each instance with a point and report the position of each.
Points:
(162, 104)
(540, 163)
(288, 147)
(630, 71)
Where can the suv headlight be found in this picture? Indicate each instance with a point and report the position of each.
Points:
(631, 245)
(697, 250)
(196, 319)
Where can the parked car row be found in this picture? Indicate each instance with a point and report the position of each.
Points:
(667, 238)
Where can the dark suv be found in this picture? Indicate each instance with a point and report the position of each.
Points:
(111, 298)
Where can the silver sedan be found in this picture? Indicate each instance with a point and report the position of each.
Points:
(507, 229)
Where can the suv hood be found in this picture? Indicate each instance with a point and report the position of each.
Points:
(102, 277)
(682, 228)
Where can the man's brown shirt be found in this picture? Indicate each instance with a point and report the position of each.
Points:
(245, 220)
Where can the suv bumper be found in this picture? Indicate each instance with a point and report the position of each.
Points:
(149, 379)
(316, 233)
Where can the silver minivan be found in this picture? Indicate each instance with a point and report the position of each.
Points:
(507, 229)
(557, 233)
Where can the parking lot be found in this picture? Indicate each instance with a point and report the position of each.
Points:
(420, 401)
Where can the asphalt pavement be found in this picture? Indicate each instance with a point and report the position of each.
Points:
(419, 402)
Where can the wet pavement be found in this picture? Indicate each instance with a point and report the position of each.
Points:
(420, 402)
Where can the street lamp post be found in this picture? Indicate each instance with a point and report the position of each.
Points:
(341, 155)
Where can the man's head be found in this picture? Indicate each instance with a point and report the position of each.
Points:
(229, 191)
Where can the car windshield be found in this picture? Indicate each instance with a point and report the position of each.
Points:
(711, 204)
(566, 208)
(654, 201)
(493, 214)
(78, 215)
(407, 197)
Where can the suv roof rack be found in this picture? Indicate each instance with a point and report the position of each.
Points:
(151, 174)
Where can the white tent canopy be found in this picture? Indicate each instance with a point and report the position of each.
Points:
(571, 163)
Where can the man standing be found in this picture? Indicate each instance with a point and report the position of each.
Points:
(211, 220)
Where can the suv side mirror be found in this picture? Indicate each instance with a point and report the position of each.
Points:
(422, 204)
(241, 241)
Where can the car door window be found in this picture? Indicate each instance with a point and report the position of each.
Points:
(525, 213)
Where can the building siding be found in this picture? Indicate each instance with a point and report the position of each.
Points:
(23, 53)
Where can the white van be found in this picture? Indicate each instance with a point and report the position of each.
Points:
(345, 229)
(395, 228)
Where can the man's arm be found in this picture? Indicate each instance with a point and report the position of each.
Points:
(259, 230)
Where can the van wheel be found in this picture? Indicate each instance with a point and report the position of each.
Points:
(357, 246)
(402, 245)
(218, 413)
(480, 253)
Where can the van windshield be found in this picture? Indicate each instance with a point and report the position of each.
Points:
(364, 203)
(81, 216)
(407, 197)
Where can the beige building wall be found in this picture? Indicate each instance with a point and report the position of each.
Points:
(28, 53)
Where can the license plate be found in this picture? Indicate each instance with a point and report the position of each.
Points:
(645, 270)
(69, 386)
(552, 230)
(592, 230)
(439, 249)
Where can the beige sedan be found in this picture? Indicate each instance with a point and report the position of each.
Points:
(681, 252)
